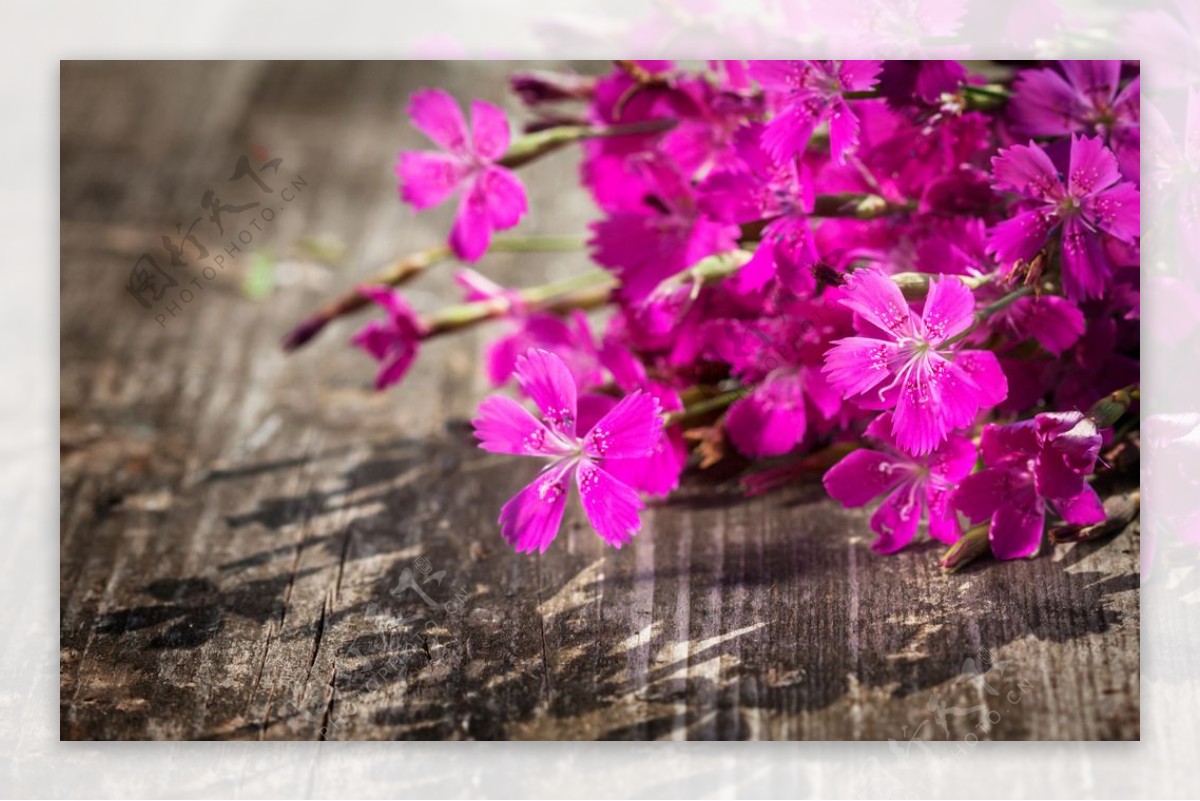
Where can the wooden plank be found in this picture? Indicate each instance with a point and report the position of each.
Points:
(237, 524)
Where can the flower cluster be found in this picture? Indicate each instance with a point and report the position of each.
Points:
(927, 271)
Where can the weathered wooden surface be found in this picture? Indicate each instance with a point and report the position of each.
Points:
(236, 524)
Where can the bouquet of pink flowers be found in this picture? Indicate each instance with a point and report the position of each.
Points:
(918, 277)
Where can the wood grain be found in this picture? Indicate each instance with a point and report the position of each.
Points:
(238, 526)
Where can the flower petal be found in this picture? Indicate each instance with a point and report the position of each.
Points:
(1086, 267)
(1020, 238)
(546, 379)
(376, 338)
(504, 426)
(955, 460)
(611, 506)
(896, 520)
(1093, 167)
(1116, 211)
(1055, 478)
(854, 365)
(504, 196)
(771, 420)
(943, 521)
(1002, 444)
(949, 309)
(1044, 104)
(983, 369)
(437, 115)
(755, 273)
(980, 494)
(427, 179)
(786, 135)
(863, 475)
(1095, 80)
(631, 429)
(656, 474)
(472, 231)
(1017, 526)
(530, 519)
(876, 298)
(1084, 509)
(1028, 171)
(489, 130)
(843, 130)
(1055, 322)
(936, 396)
(859, 76)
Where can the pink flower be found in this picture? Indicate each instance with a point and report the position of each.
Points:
(393, 341)
(915, 487)
(1083, 98)
(492, 197)
(808, 93)
(1092, 208)
(932, 387)
(1031, 466)
(629, 430)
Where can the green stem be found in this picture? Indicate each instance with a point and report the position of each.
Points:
(537, 244)
(539, 296)
(857, 205)
(1004, 302)
(706, 406)
(404, 270)
(583, 291)
(541, 143)
(915, 286)
(994, 91)
(975, 98)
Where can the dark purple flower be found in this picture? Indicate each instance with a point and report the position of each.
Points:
(1030, 467)
(1082, 97)
(1092, 207)
(903, 82)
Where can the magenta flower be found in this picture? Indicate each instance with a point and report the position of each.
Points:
(665, 235)
(915, 487)
(1053, 321)
(492, 197)
(1030, 467)
(808, 93)
(629, 430)
(778, 357)
(932, 386)
(1094, 207)
(393, 341)
(755, 187)
(1082, 98)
